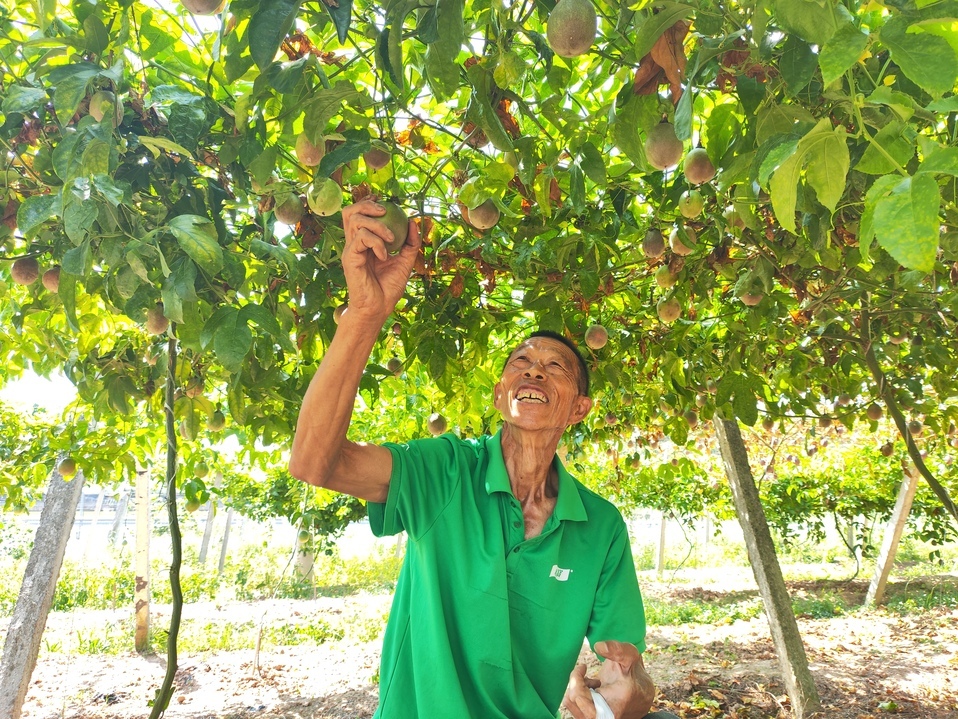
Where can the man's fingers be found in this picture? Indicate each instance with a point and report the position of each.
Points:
(371, 224)
(366, 240)
(366, 206)
(619, 652)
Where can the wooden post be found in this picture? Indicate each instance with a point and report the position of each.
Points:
(141, 597)
(119, 519)
(226, 539)
(889, 547)
(768, 574)
(660, 560)
(22, 645)
(207, 531)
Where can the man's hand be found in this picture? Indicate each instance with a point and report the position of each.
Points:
(622, 681)
(375, 279)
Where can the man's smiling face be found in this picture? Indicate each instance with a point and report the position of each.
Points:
(540, 387)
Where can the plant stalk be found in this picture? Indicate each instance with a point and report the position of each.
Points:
(886, 392)
(165, 692)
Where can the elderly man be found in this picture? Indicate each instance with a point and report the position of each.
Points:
(511, 562)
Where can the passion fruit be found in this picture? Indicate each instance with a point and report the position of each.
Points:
(397, 222)
(596, 337)
(698, 168)
(571, 27)
(663, 149)
(25, 271)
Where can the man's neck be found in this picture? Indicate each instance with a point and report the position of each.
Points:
(528, 457)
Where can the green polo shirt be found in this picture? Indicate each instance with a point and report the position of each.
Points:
(484, 623)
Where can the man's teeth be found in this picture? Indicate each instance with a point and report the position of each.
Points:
(530, 396)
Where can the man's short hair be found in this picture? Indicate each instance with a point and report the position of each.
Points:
(583, 367)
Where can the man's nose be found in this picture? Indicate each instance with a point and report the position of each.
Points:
(535, 369)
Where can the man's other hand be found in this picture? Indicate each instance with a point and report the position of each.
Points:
(578, 698)
(622, 681)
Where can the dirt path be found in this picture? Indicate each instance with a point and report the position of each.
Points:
(867, 666)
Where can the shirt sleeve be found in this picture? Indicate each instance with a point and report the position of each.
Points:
(425, 477)
(618, 613)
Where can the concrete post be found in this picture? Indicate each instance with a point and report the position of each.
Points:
(768, 574)
(207, 531)
(119, 519)
(889, 547)
(22, 644)
(226, 539)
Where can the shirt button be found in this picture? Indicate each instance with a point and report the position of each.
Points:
(517, 524)
(516, 550)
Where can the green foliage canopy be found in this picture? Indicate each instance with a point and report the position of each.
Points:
(832, 125)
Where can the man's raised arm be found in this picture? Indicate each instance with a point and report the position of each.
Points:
(321, 454)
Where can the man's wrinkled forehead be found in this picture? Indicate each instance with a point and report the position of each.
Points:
(546, 344)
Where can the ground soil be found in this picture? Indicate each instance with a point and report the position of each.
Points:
(867, 665)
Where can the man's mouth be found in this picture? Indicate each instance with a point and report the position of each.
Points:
(530, 395)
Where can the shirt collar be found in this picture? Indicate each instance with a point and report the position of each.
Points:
(568, 504)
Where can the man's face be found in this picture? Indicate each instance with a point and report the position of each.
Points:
(539, 388)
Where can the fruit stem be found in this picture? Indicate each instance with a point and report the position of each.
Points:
(887, 393)
(165, 692)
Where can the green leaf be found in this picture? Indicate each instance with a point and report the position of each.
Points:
(906, 221)
(723, 125)
(944, 106)
(182, 280)
(285, 76)
(95, 33)
(826, 153)
(71, 83)
(783, 188)
(576, 188)
(172, 303)
(357, 142)
(925, 59)
(427, 29)
(683, 115)
(903, 105)
(325, 105)
(261, 317)
(232, 345)
(341, 12)
(35, 210)
(813, 21)
(269, 25)
(265, 249)
(625, 127)
(841, 52)
(441, 67)
(797, 64)
(78, 219)
(668, 14)
(482, 112)
(157, 144)
(592, 163)
(187, 123)
(897, 140)
(745, 404)
(197, 237)
(67, 292)
(943, 161)
(23, 99)
(827, 163)
(78, 261)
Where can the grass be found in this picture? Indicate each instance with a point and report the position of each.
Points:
(710, 585)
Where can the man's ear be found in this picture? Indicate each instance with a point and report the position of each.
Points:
(496, 393)
(580, 409)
